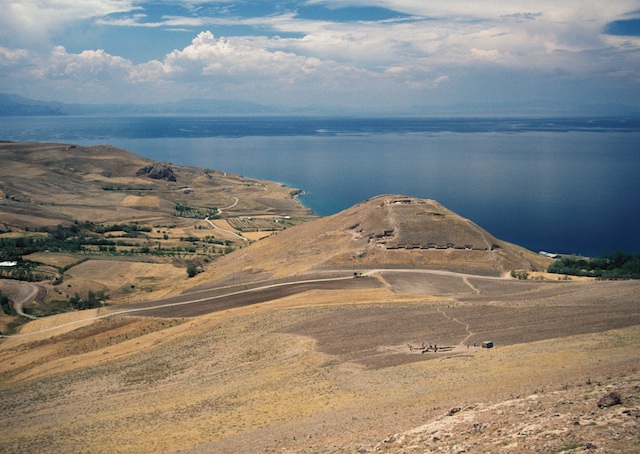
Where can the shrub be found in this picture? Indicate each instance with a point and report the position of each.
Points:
(519, 274)
(93, 300)
(6, 306)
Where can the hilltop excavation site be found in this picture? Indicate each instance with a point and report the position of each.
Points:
(153, 308)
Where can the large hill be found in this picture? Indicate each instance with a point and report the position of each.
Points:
(102, 219)
(43, 184)
(358, 332)
(390, 231)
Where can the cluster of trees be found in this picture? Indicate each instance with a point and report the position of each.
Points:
(15, 248)
(187, 211)
(5, 305)
(70, 238)
(619, 265)
(23, 273)
(519, 274)
(208, 239)
(76, 237)
(91, 301)
(100, 228)
(192, 270)
(60, 239)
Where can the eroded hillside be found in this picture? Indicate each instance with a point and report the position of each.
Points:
(103, 220)
(385, 231)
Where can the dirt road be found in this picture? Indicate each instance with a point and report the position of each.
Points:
(21, 293)
(220, 299)
(238, 296)
(505, 299)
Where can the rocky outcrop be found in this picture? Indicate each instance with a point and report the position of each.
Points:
(157, 171)
(559, 421)
(609, 400)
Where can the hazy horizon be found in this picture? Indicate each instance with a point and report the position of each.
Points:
(327, 55)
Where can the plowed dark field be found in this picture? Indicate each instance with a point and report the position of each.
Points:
(472, 310)
(505, 312)
(206, 302)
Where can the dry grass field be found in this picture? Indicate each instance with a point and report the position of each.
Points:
(331, 371)
(46, 185)
(300, 342)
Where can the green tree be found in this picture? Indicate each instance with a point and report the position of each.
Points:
(6, 306)
(93, 300)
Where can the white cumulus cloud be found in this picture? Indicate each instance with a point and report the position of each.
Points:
(29, 21)
(87, 66)
(11, 57)
(439, 46)
(240, 58)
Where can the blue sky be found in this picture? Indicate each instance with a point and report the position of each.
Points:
(375, 56)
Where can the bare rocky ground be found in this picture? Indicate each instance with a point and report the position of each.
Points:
(566, 420)
(330, 371)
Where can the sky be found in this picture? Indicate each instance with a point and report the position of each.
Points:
(374, 56)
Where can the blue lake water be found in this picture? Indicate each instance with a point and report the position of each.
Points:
(561, 185)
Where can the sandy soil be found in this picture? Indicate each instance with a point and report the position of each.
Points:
(145, 201)
(322, 371)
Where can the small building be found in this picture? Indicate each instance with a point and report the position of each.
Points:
(487, 344)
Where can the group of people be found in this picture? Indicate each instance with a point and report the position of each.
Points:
(434, 347)
(424, 348)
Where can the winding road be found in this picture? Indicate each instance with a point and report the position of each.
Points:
(224, 298)
(21, 293)
(221, 299)
(220, 210)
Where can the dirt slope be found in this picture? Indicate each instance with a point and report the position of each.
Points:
(44, 184)
(389, 231)
(304, 374)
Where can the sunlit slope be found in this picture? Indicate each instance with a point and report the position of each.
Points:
(46, 184)
(388, 230)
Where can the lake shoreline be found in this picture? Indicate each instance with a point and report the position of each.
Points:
(528, 181)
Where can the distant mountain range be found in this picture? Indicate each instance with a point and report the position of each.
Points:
(15, 105)
(20, 106)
